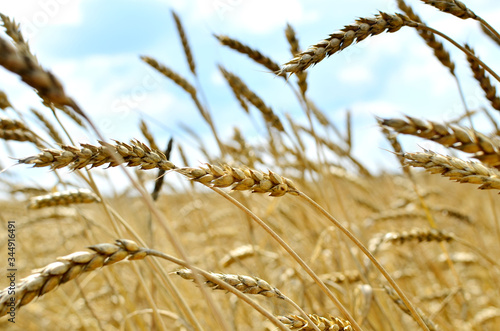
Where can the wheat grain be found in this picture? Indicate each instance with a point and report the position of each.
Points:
(295, 322)
(245, 284)
(361, 29)
(415, 234)
(456, 169)
(65, 269)
(63, 198)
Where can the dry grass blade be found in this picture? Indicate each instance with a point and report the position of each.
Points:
(245, 284)
(485, 149)
(454, 7)
(185, 43)
(242, 89)
(441, 54)
(456, 169)
(295, 322)
(483, 79)
(64, 198)
(135, 154)
(250, 52)
(65, 269)
(363, 28)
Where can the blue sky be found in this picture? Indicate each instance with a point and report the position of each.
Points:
(94, 47)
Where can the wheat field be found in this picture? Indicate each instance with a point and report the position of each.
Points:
(264, 234)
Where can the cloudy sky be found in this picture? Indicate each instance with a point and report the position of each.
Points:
(94, 48)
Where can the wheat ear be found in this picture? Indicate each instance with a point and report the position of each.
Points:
(133, 155)
(65, 269)
(456, 169)
(185, 43)
(48, 87)
(479, 74)
(453, 7)
(360, 30)
(485, 149)
(245, 284)
(242, 89)
(63, 198)
(250, 52)
(295, 322)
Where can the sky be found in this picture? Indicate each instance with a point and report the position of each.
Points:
(94, 48)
